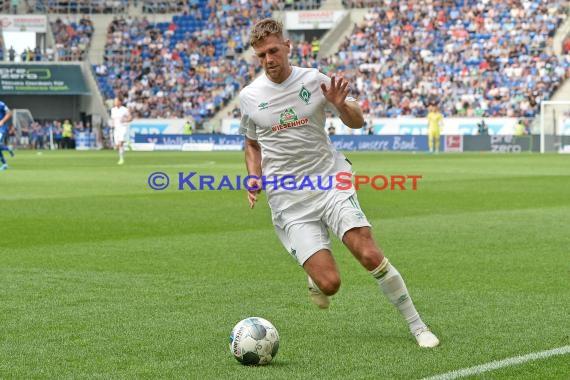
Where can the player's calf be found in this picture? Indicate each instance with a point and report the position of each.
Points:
(317, 296)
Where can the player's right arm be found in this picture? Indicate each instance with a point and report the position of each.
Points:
(253, 165)
(252, 148)
(7, 115)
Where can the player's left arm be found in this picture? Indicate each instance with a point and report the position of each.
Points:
(253, 165)
(348, 108)
(351, 114)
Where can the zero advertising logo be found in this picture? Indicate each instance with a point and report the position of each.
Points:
(340, 181)
(25, 73)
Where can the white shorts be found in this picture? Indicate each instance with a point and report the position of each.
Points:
(120, 135)
(303, 227)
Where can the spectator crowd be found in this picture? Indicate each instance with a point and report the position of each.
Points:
(476, 58)
(189, 67)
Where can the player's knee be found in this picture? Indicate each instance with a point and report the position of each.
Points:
(330, 284)
(371, 257)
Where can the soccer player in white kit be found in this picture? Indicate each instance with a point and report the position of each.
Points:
(120, 115)
(283, 119)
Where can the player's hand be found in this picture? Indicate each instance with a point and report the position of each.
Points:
(337, 92)
(254, 185)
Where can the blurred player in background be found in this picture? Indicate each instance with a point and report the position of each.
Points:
(435, 120)
(283, 120)
(5, 115)
(120, 116)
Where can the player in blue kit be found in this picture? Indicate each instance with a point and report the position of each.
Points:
(5, 115)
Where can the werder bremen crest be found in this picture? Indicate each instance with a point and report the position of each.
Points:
(287, 116)
(305, 94)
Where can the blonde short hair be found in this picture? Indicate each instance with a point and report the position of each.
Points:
(265, 28)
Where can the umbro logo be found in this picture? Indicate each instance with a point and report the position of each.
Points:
(263, 105)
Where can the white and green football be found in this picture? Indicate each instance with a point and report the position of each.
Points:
(254, 341)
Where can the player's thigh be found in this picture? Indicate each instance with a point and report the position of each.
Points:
(118, 140)
(120, 135)
(349, 223)
(304, 239)
(343, 213)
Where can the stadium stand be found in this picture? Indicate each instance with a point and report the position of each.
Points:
(360, 3)
(149, 6)
(166, 6)
(78, 6)
(5, 6)
(467, 63)
(295, 5)
(474, 58)
(186, 67)
(72, 39)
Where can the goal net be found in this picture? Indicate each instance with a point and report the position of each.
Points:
(554, 126)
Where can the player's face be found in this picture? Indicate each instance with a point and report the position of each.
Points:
(117, 102)
(273, 54)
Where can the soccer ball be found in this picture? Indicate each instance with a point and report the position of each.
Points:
(254, 341)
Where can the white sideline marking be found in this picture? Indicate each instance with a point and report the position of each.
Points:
(515, 360)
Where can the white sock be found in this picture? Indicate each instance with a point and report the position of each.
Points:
(121, 153)
(394, 288)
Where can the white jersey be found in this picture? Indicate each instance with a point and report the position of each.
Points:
(117, 116)
(287, 120)
(120, 132)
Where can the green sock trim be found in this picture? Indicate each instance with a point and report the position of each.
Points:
(382, 269)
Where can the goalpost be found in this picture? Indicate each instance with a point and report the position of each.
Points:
(555, 126)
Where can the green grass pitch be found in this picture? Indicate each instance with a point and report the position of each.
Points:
(103, 278)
